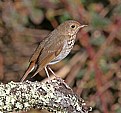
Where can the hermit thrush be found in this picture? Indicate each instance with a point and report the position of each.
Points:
(55, 47)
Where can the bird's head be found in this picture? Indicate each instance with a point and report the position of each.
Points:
(70, 27)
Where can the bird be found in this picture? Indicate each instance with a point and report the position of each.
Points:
(55, 47)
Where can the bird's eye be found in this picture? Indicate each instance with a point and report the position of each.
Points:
(73, 26)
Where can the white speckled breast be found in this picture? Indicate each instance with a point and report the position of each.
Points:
(68, 45)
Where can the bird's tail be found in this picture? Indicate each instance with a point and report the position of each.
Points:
(30, 69)
(37, 71)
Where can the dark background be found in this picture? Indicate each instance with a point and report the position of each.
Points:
(92, 69)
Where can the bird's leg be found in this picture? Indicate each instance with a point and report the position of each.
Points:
(58, 78)
(52, 72)
(47, 72)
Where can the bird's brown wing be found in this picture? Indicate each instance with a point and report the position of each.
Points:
(34, 58)
(42, 56)
(50, 51)
(38, 50)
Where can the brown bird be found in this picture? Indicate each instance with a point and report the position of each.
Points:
(55, 47)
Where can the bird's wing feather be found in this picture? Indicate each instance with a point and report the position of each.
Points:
(50, 51)
(34, 58)
(38, 50)
(42, 56)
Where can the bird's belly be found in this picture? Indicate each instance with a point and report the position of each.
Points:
(65, 51)
(61, 56)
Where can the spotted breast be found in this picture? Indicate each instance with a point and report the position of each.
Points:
(68, 45)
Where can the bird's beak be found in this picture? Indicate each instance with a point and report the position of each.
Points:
(83, 26)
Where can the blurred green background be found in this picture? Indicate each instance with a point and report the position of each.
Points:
(92, 69)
